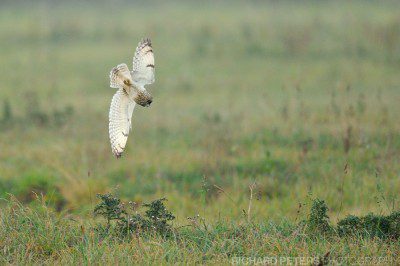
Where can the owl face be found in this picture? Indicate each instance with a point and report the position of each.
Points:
(142, 97)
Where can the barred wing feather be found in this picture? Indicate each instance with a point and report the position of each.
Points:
(143, 63)
(120, 121)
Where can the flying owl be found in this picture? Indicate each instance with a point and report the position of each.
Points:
(131, 91)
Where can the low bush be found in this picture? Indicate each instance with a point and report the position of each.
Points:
(369, 226)
(125, 221)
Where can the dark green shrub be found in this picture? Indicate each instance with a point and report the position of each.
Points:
(371, 226)
(318, 219)
(156, 218)
(110, 208)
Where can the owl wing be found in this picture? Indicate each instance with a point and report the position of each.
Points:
(143, 63)
(120, 76)
(120, 116)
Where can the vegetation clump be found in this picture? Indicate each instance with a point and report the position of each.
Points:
(318, 219)
(371, 225)
(156, 218)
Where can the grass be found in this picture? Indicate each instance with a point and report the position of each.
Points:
(41, 235)
(288, 99)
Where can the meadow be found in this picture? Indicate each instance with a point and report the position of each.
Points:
(259, 109)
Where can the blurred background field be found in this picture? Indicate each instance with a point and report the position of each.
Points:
(299, 97)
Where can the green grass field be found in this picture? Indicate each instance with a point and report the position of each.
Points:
(258, 109)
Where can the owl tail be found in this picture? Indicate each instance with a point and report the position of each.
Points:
(120, 76)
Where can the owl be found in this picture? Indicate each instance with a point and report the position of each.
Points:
(130, 91)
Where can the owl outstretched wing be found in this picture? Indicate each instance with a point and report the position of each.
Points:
(120, 115)
(143, 63)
